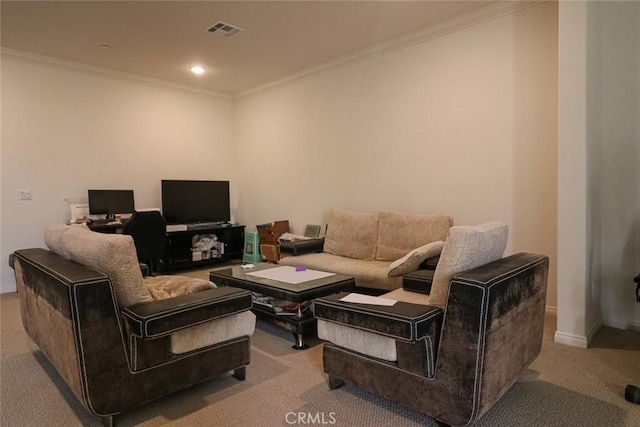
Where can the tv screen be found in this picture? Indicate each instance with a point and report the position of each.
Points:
(110, 202)
(186, 202)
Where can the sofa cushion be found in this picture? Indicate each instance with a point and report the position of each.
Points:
(466, 247)
(418, 281)
(398, 233)
(364, 342)
(413, 259)
(111, 254)
(368, 274)
(352, 234)
(214, 332)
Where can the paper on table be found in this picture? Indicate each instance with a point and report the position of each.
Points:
(368, 299)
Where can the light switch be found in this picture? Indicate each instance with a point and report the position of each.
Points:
(25, 194)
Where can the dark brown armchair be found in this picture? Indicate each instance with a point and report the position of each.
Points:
(453, 348)
(93, 316)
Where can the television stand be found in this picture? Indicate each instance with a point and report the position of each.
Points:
(190, 248)
(207, 225)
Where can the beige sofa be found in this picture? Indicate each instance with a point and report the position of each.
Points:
(376, 248)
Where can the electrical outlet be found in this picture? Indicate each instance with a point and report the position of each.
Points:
(25, 194)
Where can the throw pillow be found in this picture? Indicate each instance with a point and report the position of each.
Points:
(113, 255)
(413, 259)
(466, 247)
(53, 238)
(351, 234)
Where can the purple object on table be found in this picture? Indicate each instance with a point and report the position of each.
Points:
(301, 268)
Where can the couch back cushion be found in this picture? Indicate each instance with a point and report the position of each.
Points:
(466, 247)
(400, 233)
(351, 234)
(111, 254)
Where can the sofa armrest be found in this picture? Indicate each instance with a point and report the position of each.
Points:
(430, 263)
(300, 247)
(157, 318)
(418, 281)
(402, 321)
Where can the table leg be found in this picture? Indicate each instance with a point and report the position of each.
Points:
(299, 345)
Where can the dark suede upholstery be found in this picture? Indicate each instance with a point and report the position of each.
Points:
(301, 247)
(71, 313)
(403, 320)
(148, 320)
(430, 263)
(491, 332)
(418, 281)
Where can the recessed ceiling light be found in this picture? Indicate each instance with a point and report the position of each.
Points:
(197, 69)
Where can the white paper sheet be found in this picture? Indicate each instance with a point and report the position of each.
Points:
(368, 299)
(288, 274)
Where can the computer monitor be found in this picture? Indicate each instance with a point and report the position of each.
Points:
(110, 202)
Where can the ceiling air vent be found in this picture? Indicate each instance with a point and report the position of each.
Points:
(224, 30)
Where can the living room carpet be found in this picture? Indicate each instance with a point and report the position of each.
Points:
(565, 386)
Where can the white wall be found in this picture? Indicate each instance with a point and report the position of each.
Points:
(619, 136)
(599, 182)
(574, 199)
(463, 124)
(64, 132)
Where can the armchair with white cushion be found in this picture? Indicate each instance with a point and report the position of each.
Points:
(452, 348)
(117, 339)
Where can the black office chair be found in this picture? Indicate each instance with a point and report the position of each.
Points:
(149, 232)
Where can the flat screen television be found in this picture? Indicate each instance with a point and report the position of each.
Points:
(110, 202)
(185, 202)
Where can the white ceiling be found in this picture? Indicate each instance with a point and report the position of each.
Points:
(162, 39)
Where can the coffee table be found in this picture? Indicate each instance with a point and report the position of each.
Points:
(302, 294)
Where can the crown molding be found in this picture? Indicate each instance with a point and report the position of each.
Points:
(466, 20)
(66, 65)
(495, 10)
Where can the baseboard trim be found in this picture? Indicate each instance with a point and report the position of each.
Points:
(619, 323)
(570, 339)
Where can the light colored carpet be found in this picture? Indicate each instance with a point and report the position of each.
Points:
(565, 386)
